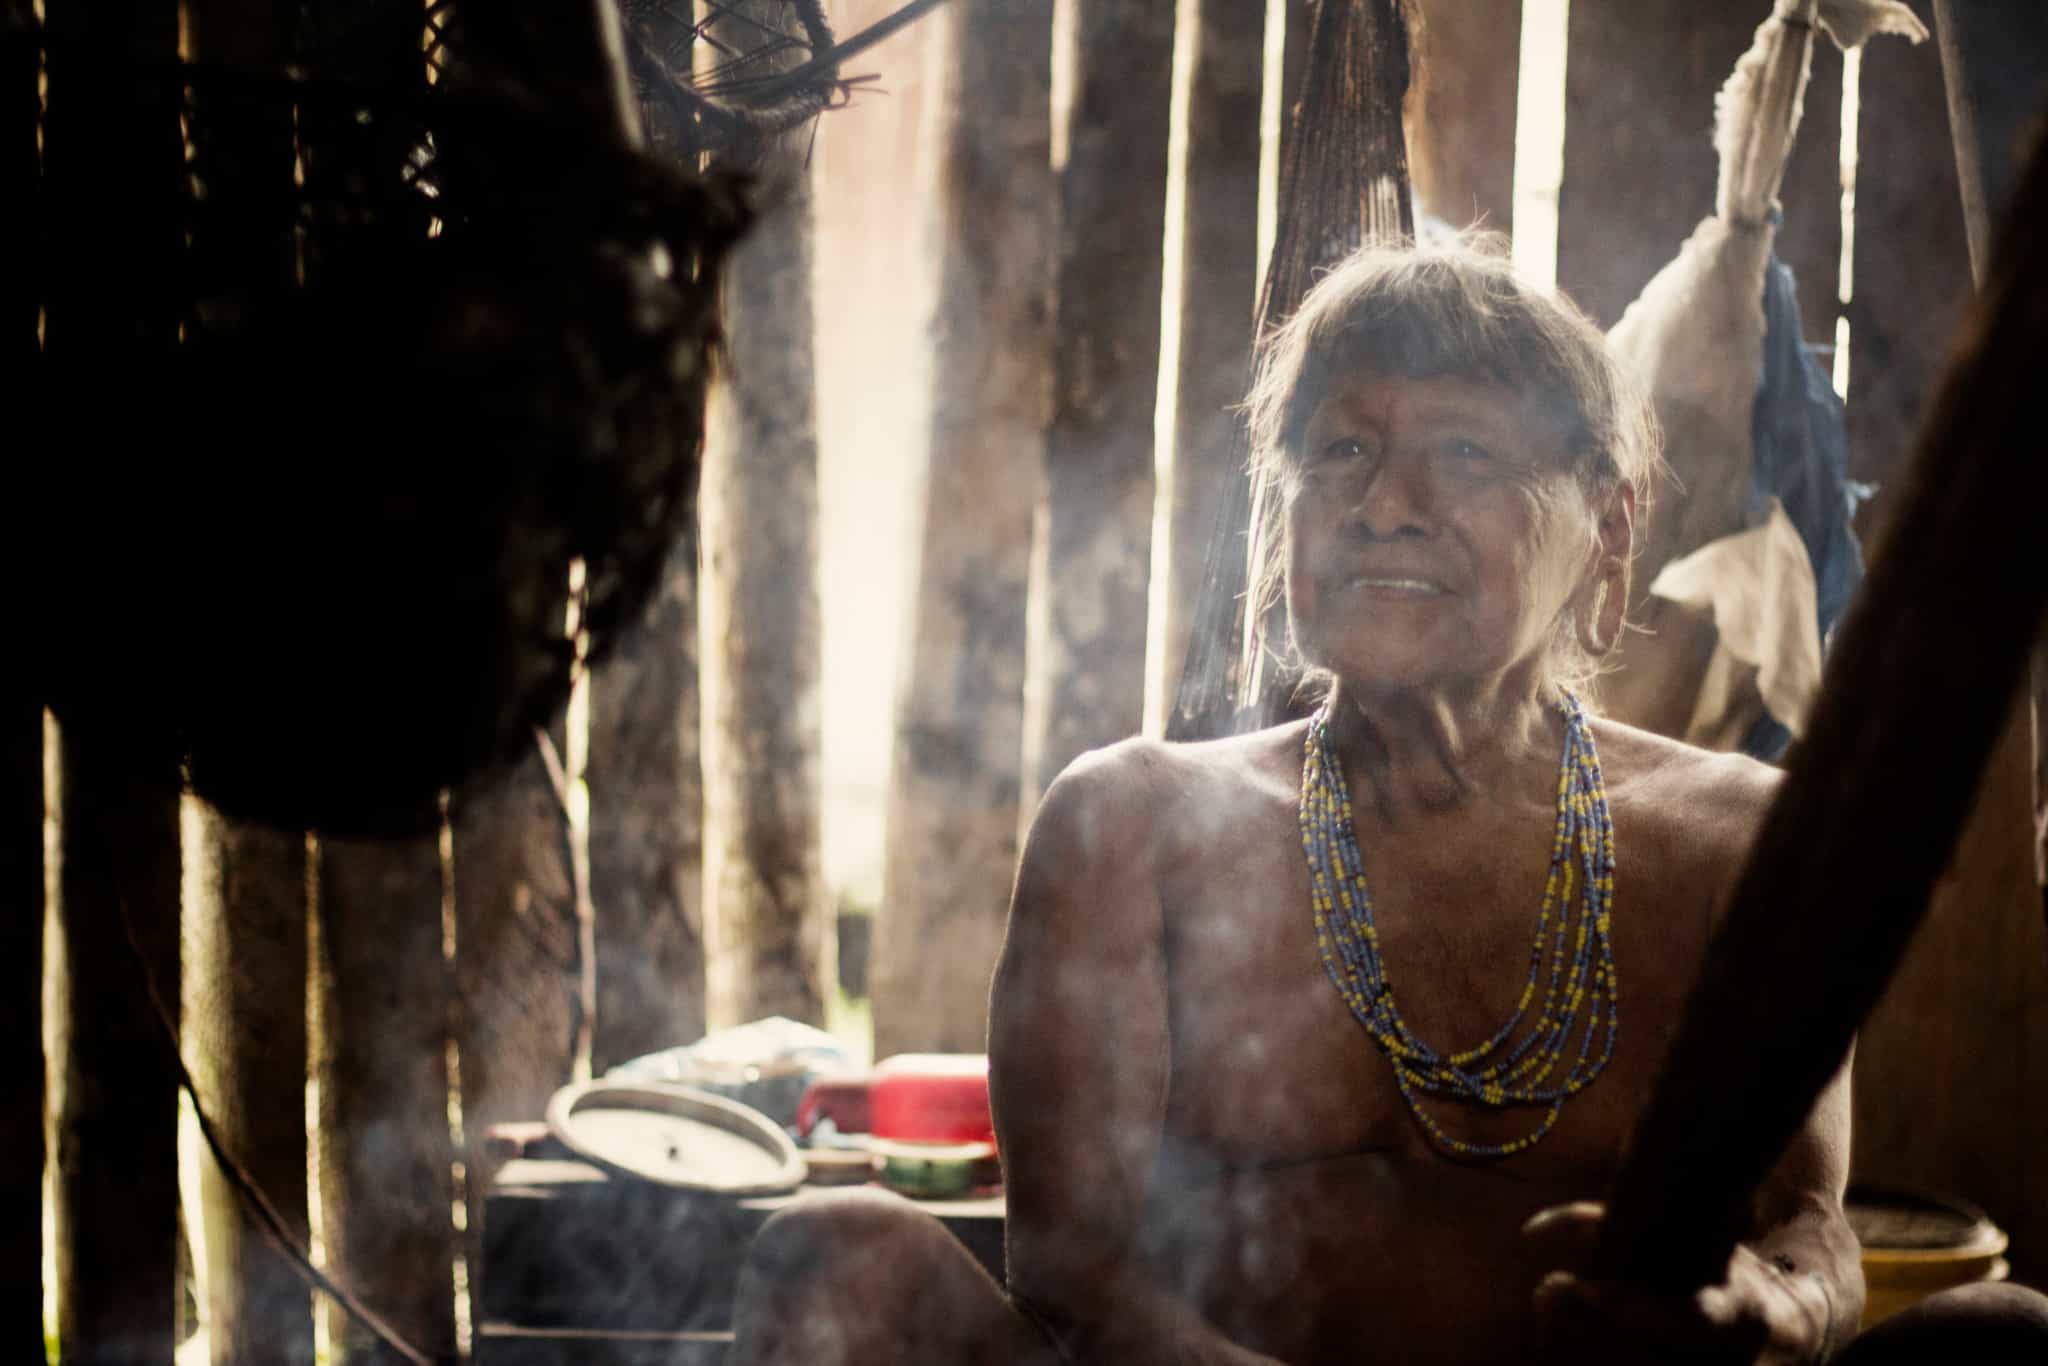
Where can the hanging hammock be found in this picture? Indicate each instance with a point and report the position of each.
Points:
(1343, 182)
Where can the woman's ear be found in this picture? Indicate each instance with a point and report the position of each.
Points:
(1599, 620)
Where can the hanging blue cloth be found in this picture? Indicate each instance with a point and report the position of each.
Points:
(1800, 455)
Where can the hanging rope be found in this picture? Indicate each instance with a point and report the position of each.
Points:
(1343, 182)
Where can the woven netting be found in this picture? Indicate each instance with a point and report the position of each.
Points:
(348, 357)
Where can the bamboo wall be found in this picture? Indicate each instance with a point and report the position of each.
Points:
(454, 980)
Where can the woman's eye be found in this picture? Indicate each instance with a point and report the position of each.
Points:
(1467, 450)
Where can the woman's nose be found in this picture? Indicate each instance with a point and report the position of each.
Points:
(1396, 499)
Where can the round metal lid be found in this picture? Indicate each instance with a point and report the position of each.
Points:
(676, 1136)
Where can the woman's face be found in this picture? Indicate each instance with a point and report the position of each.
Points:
(1435, 531)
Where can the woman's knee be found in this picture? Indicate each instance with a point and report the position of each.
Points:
(863, 1276)
(865, 1234)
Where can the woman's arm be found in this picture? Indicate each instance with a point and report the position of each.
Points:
(1079, 1061)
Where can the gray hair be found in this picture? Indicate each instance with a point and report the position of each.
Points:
(1451, 309)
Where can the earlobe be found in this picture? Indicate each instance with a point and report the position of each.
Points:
(1607, 603)
(1599, 624)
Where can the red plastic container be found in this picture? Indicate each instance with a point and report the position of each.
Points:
(932, 1098)
(843, 1100)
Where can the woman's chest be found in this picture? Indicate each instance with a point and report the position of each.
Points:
(1286, 1021)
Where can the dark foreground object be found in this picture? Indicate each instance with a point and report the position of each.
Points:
(317, 447)
(910, 1295)
(1918, 687)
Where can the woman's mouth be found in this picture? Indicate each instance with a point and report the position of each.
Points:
(1395, 585)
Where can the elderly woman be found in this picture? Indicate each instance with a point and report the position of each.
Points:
(1308, 1045)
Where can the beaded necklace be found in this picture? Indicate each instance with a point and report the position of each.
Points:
(1494, 1075)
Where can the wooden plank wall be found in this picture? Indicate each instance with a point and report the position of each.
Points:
(1462, 107)
(380, 1045)
(1639, 163)
(516, 974)
(21, 1021)
(1218, 280)
(984, 171)
(244, 1036)
(764, 898)
(113, 1089)
(647, 828)
(1093, 558)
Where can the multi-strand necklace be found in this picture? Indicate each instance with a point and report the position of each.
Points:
(1579, 993)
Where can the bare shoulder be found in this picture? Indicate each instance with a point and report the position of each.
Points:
(1147, 803)
(1702, 805)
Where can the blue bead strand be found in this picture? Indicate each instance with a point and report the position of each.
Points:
(1580, 993)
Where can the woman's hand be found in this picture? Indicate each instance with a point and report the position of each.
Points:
(1759, 1315)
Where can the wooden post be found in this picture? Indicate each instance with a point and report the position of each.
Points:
(241, 248)
(111, 254)
(1992, 61)
(1912, 276)
(113, 178)
(244, 1037)
(1086, 685)
(764, 901)
(517, 973)
(1461, 134)
(21, 1019)
(1297, 22)
(955, 777)
(380, 1040)
(1639, 163)
(244, 1011)
(1217, 277)
(1952, 1063)
(113, 1089)
(21, 173)
(646, 786)
(1919, 686)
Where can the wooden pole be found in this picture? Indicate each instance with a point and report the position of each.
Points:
(1461, 134)
(954, 782)
(764, 899)
(244, 1009)
(244, 1038)
(1918, 687)
(646, 786)
(1639, 162)
(21, 1019)
(1090, 574)
(380, 1047)
(1217, 278)
(113, 1090)
(111, 253)
(517, 971)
